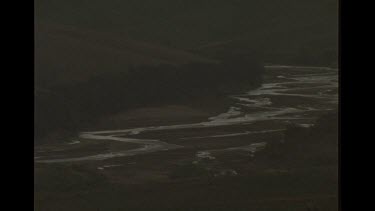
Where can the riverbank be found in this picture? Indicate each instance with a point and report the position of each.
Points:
(223, 162)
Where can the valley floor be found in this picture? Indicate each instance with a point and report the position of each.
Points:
(264, 153)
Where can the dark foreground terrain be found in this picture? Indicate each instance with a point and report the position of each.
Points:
(275, 148)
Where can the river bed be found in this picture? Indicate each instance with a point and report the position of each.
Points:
(290, 94)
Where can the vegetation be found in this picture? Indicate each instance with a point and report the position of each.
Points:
(94, 58)
(70, 106)
(288, 31)
(304, 176)
(317, 145)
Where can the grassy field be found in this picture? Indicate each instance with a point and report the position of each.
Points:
(299, 174)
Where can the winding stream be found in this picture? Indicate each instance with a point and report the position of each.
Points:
(318, 84)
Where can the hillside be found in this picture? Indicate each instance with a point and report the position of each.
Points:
(186, 105)
(284, 30)
(67, 54)
(83, 74)
(89, 53)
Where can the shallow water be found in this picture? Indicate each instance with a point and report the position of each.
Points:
(287, 85)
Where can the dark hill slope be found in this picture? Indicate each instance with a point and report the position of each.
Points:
(67, 54)
(82, 74)
(282, 29)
